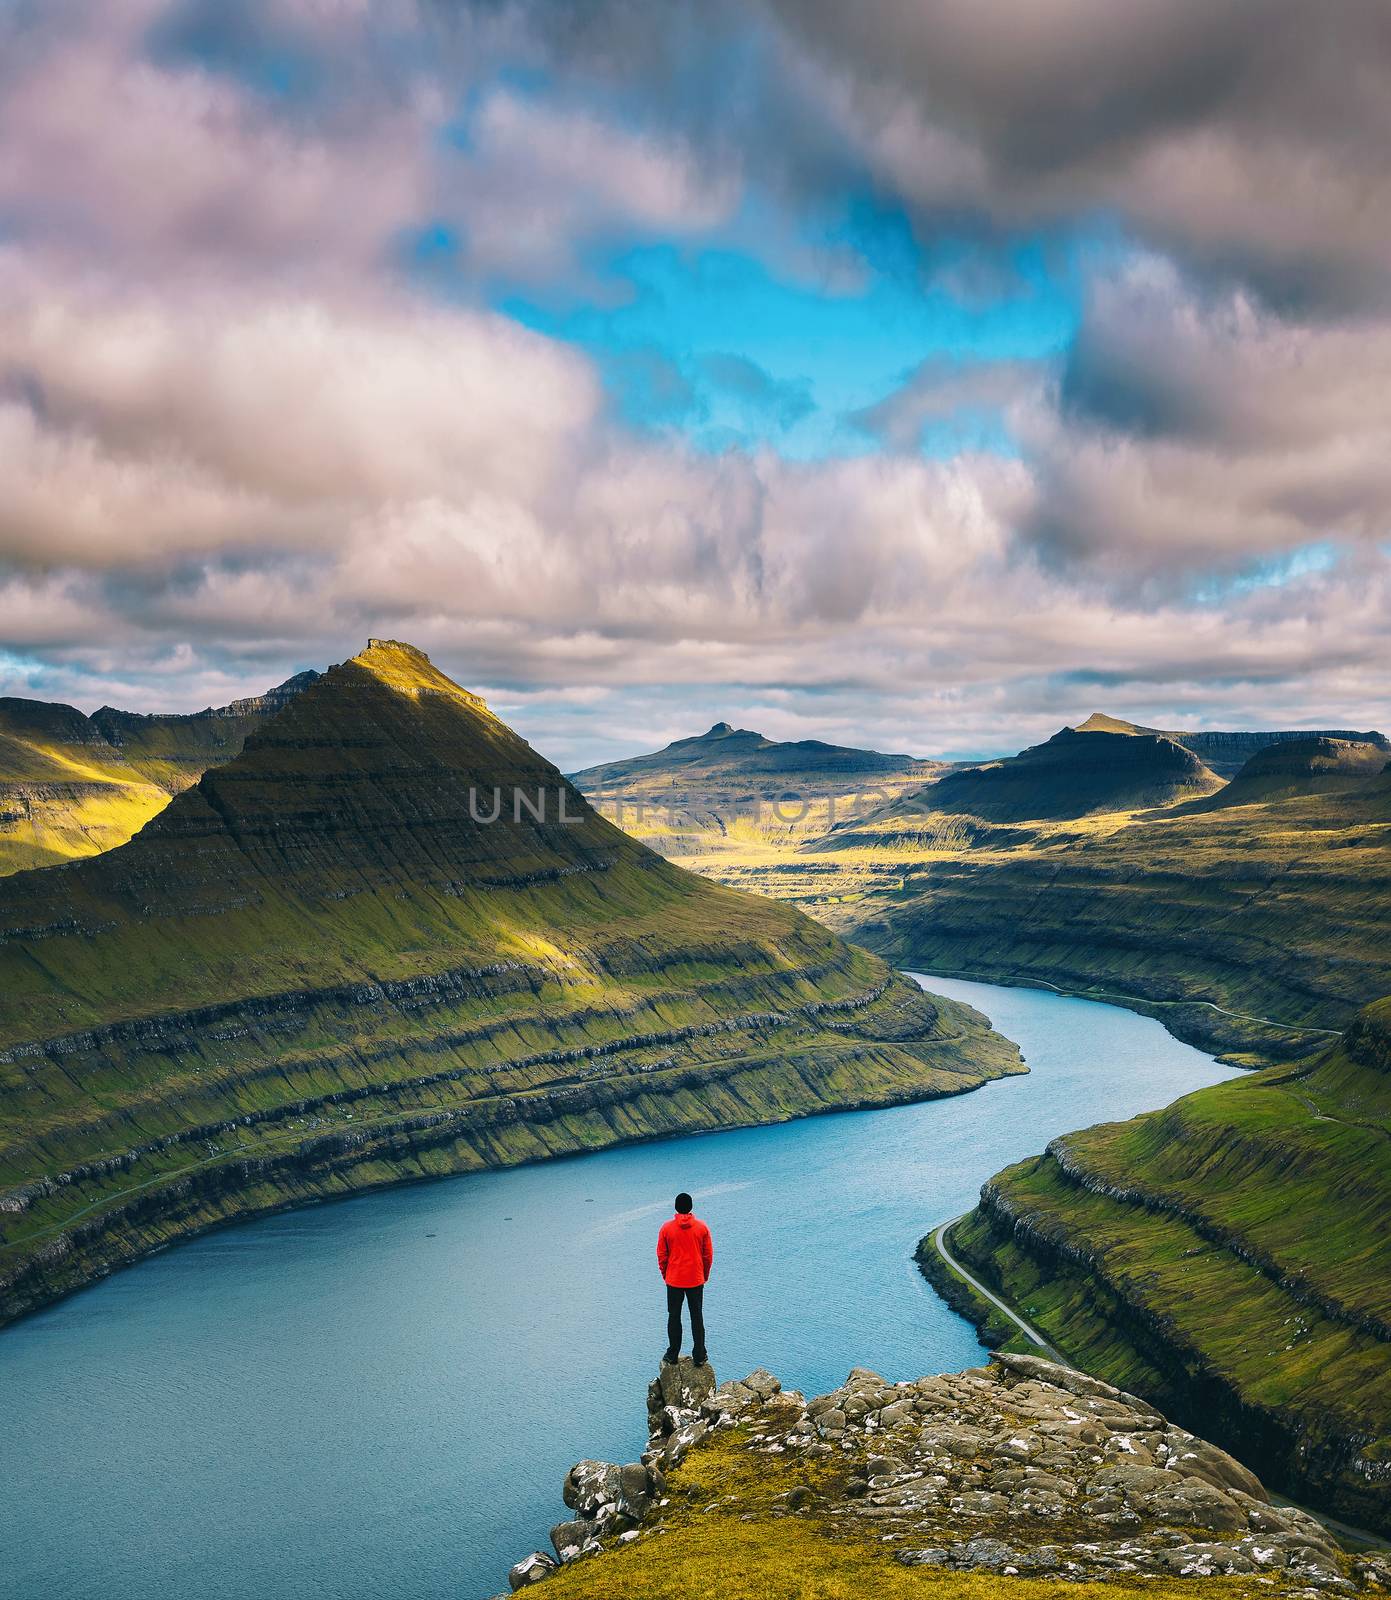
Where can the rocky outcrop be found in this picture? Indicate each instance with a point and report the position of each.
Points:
(1019, 1468)
(612, 1502)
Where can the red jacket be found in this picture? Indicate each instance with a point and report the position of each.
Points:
(684, 1251)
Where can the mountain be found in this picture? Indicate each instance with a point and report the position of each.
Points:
(73, 785)
(732, 793)
(1227, 1258)
(1073, 774)
(740, 756)
(386, 941)
(1225, 753)
(1292, 767)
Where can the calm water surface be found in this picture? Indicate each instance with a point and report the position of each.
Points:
(380, 1398)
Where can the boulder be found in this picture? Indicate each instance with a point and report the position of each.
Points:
(531, 1569)
(989, 1555)
(569, 1539)
(679, 1386)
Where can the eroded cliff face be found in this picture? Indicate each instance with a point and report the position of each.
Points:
(1001, 1475)
(389, 941)
(1228, 1258)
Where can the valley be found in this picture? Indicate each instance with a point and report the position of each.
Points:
(316, 971)
(1119, 864)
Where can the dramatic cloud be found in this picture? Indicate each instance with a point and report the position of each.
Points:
(1204, 430)
(1248, 136)
(267, 383)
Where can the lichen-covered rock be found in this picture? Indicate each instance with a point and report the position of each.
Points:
(1018, 1468)
(679, 1386)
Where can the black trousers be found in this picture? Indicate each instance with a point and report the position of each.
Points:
(694, 1298)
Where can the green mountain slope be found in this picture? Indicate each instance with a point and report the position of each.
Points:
(73, 785)
(1228, 1258)
(387, 941)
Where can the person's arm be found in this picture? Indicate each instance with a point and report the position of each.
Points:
(663, 1252)
(707, 1252)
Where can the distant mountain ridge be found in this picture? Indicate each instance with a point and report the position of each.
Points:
(1226, 752)
(743, 753)
(73, 785)
(735, 788)
(389, 940)
(1073, 774)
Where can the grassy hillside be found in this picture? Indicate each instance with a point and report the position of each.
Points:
(386, 941)
(1228, 1258)
(73, 785)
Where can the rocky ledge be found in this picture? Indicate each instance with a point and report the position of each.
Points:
(1018, 1468)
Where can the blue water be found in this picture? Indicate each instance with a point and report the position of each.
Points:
(381, 1397)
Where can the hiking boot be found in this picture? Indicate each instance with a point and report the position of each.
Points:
(669, 1358)
(699, 1357)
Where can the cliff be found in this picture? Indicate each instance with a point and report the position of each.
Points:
(1001, 1480)
(389, 941)
(1228, 1258)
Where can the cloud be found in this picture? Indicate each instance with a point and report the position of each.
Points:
(1248, 138)
(236, 436)
(106, 154)
(940, 389)
(1200, 430)
(535, 183)
(134, 425)
(783, 401)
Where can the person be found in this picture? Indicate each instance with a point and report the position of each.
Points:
(684, 1254)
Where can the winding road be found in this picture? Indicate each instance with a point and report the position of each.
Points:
(939, 1244)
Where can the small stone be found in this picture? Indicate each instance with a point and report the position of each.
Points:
(989, 1555)
(935, 1557)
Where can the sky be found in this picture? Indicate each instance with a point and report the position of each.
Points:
(923, 374)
